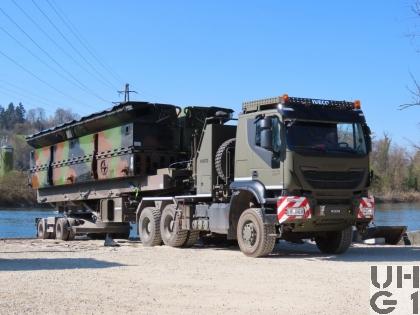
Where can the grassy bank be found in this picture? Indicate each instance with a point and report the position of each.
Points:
(15, 192)
(397, 196)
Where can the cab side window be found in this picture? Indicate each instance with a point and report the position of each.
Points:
(268, 133)
(268, 137)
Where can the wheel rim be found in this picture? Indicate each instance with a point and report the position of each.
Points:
(146, 227)
(59, 230)
(40, 230)
(168, 226)
(249, 234)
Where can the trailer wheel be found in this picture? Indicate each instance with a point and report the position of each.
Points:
(62, 229)
(255, 239)
(148, 226)
(42, 230)
(172, 235)
(192, 238)
(336, 242)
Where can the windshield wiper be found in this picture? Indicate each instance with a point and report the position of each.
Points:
(304, 147)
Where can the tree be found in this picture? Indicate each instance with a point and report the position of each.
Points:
(37, 118)
(62, 116)
(380, 161)
(9, 116)
(20, 113)
(415, 94)
(2, 118)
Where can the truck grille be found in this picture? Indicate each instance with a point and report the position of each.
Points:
(333, 180)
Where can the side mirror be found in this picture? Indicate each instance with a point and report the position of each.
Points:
(266, 134)
(368, 138)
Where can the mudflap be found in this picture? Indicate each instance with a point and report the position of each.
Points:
(391, 234)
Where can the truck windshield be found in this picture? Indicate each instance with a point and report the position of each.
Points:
(333, 138)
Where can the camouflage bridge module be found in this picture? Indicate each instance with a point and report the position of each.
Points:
(290, 168)
(130, 140)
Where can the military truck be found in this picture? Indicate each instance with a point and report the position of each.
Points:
(287, 168)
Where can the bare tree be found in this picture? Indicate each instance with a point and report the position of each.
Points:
(415, 94)
(62, 116)
(415, 89)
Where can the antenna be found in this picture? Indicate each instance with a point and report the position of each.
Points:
(127, 92)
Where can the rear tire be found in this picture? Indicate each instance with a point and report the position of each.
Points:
(255, 239)
(336, 242)
(172, 235)
(149, 227)
(62, 229)
(192, 238)
(42, 230)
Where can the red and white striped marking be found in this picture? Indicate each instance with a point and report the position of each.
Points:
(366, 202)
(292, 202)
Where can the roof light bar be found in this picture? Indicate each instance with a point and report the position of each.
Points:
(256, 105)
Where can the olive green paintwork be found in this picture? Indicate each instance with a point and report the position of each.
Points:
(253, 163)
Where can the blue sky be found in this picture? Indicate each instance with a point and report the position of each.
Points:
(218, 53)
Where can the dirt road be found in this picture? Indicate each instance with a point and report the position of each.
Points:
(83, 277)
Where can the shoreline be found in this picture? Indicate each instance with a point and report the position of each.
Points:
(397, 197)
(379, 199)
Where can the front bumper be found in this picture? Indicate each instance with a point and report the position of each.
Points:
(301, 213)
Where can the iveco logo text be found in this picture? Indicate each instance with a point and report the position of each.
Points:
(320, 102)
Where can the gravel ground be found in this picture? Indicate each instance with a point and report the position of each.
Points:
(83, 277)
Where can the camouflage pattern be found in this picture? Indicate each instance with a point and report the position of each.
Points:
(153, 137)
(40, 162)
(115, 151)
(72, 161)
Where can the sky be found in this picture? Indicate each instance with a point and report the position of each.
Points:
(217, 53)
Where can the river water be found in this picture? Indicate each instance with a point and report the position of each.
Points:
(21, 223)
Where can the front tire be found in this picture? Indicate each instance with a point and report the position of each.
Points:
(192, 238)
(336, 242)
(172, 235)
(149, 230)
(255, 239)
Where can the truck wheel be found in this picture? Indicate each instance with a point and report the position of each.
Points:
(42, 230)
(192, 238)
(254, 238)
(336, 242)
(148, 225)
(71, 223)
(62, 229)
(171, 233)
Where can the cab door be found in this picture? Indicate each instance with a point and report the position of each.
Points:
(268, 151)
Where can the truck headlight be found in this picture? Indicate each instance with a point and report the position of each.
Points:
(297, 211)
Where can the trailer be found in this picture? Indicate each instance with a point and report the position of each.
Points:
(290, 168)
